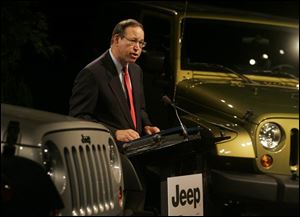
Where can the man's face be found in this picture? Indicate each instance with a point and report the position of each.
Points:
(131, 45)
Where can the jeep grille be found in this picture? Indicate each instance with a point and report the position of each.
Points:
(90, 179)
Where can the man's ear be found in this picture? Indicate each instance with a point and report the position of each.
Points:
(115, 39)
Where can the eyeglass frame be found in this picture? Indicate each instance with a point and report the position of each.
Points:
(132, 42)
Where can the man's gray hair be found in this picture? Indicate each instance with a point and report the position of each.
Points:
(122, 25)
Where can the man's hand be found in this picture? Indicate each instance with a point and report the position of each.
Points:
(151, 130)
(126, 135)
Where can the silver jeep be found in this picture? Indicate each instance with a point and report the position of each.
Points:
(81, 157)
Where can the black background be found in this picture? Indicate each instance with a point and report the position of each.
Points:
(82, 31)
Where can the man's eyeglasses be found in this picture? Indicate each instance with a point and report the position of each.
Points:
(133, 42)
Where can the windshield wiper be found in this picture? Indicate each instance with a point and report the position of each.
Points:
(281, 70)
(225, 68)
(271, 72)
(284, 73)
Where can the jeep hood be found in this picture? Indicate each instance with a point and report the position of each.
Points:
(239, 100)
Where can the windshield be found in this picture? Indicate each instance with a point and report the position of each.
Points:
(244, 47)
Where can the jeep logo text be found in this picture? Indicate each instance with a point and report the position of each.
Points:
(192, 195)
(85, 139)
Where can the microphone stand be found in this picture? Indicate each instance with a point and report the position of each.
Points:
(181, 124)
(167, 100)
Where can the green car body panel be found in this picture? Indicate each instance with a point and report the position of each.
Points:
(235, 73)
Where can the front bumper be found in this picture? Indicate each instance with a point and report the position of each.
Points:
(271, 188)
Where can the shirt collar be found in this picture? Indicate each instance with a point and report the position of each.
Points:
(116, 62)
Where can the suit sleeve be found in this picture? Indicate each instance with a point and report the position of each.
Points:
(83, 102)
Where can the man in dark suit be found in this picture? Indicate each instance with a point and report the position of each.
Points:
(101, 93)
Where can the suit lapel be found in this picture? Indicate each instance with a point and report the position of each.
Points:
(116, 88)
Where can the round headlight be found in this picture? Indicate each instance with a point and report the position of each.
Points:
(114, 160)
(270, 135)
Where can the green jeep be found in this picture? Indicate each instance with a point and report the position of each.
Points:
(236, 74)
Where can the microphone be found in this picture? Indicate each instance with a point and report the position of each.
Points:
(168, 101)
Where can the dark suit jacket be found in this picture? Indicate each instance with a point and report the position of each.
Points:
(98, 95)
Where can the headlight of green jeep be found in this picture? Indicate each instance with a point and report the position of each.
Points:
(270, 135)
(114, 160)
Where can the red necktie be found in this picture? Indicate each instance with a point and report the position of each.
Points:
(129, 95)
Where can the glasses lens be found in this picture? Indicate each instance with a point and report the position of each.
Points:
(142, 44)
(133, 42)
